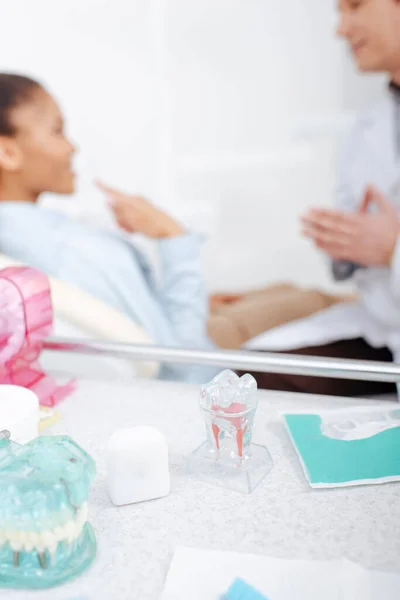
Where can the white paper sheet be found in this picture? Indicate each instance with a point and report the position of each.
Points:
(205, 575)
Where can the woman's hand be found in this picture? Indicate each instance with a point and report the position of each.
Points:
(135, 214)
(218, 300)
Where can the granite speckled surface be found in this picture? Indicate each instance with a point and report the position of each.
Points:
(283, 517)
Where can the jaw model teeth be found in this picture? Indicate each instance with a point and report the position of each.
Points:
(45, 538)
(44, 541)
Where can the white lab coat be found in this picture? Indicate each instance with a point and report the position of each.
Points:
(370, 157)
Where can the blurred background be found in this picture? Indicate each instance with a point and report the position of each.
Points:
(229, 113)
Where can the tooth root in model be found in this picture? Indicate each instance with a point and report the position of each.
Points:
(42, 560)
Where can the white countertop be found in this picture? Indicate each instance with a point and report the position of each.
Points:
(283, 517)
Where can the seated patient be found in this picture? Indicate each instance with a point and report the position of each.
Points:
(36, 157)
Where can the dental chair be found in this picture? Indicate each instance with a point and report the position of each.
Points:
(80, 316)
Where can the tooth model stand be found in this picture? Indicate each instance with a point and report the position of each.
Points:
(228, 457)
(45, 538)
(137, 465)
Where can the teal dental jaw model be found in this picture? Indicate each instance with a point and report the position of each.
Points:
(45, 539)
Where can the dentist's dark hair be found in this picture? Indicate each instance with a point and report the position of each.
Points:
(14, 91)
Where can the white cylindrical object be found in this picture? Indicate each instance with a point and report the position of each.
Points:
(19, 413)
(137, 465)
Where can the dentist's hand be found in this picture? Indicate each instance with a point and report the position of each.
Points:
(361, 237)
(135, 214)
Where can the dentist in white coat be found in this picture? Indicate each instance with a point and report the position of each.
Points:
(361, 235)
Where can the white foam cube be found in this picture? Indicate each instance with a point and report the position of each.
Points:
(137, 465)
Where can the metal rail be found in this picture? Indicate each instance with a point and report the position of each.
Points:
(262, 362)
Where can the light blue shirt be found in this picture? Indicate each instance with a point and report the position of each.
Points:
(110, 268)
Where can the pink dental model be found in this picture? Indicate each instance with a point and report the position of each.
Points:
(26, 320)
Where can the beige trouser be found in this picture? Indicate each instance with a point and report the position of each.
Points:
(231, 325)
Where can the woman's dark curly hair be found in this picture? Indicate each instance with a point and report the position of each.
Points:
(14, 90)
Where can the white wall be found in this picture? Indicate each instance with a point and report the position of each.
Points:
(228, 112)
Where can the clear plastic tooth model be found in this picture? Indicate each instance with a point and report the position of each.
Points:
(229, 457)
(45, 538)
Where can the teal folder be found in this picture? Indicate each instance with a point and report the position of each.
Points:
(347, 447)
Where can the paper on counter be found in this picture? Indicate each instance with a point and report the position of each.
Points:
(207, 574)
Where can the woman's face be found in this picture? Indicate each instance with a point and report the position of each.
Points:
(44, 153)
